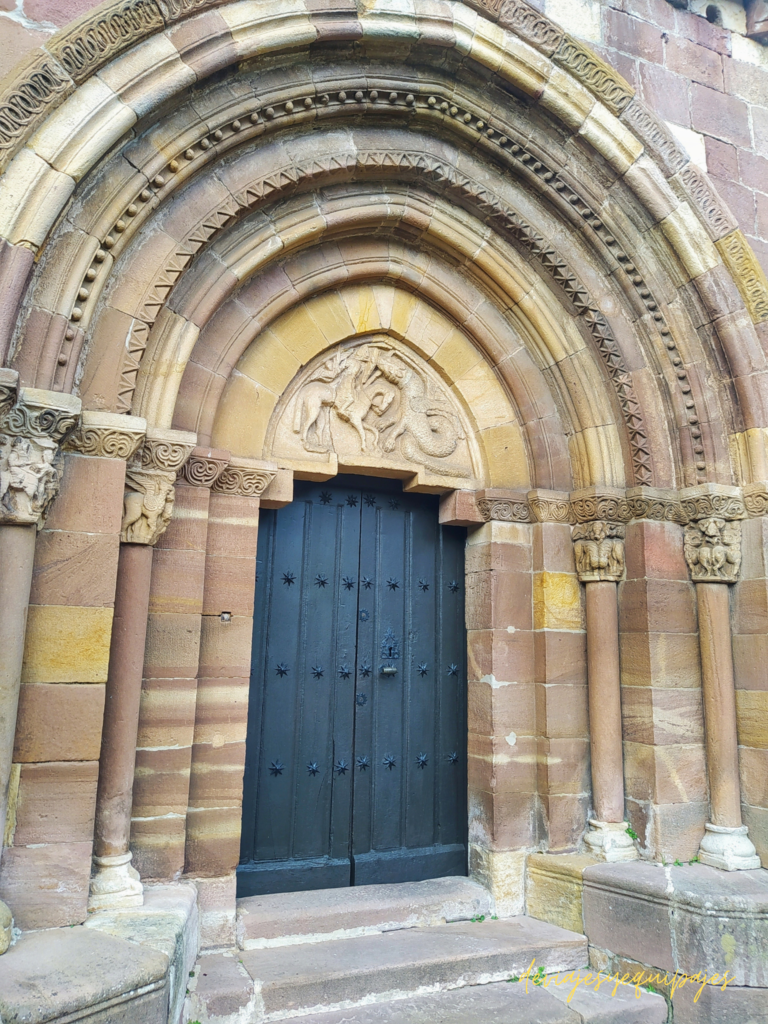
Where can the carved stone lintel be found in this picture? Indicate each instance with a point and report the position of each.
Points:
(204, 466)
(149, 480)
(247, 477)
(712, 549)
(30, 432)
(598, 548)
(107, 435)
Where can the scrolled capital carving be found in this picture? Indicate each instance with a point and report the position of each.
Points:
(504, 510)
(756, 499)
(107, 435)
(204, 467)
(550, 507)
(149, 485)
(598, 549)
(587, 508)
(245, 477)
(712, 549)
(712, 500)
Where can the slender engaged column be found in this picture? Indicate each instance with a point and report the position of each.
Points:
(148, 506)
(713, 552)
(599, 553)
(32, 424)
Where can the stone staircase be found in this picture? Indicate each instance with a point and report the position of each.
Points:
(416, 953)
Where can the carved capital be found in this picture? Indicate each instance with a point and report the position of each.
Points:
(511, 508)
(204, 467)
(149, 480)
(591, 504)
(9, 386)
(598, 548)
(712, 500)
(712, 548)
(107, 435)
(550, 506)
(247, 477)
(30, 431)
(756, 499)
(656, 505)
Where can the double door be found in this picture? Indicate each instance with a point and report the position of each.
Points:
(356, 748)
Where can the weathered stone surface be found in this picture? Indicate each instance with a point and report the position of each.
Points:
(59, 722)
(554, 888)
(52, 974)
(47, 885)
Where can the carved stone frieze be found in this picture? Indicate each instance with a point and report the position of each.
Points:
(588, 507)
(656, 137)
(505, 510)
(756, 499)
(204, 467)
(101, 34)
(597, 76)
(747, 273)
(530, 25)
(30, 433)
(149, 485)
(373, 402)
(107, 435)
(38, 86)
(598, 549)
(712, 549)
(550, 508)
(702, 504)
(657, 508)
(716, 215)
(246, 477)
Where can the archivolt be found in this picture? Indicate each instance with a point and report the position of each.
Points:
(559, 166)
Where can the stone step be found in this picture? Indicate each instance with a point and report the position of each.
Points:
(322, 976)
(324, 914)
(502, 1003)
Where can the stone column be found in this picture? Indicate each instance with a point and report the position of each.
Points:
(147, 509)
(32, 424)
(599, 553)
(712, 546)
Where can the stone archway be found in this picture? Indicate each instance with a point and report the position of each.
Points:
(186, 209)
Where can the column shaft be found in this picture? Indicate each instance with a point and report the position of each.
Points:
(121, 712)
(605, 701)
(719, 696)
(17, 555)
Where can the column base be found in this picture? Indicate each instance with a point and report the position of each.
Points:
(729, 849)
(6, 927)
(609, 841)
(115, 884)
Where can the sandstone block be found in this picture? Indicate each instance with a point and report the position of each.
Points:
(225, 647)
(557, 601)
(656, 606)
(566, 818)
(47, 886)
(167, 713)
(172, 646)
(664, 659)
(655, 551)
(75, 568)
(229, 585)
(56, 802)
(561, 658)
(59, 722)
(177, 581)
(561, 709)
(216, 900)
(161, 782)
(500, 657)
(665, 774)
(502, 873)
(67, 644)
(554, 887)
(659, 716)
(752, 717)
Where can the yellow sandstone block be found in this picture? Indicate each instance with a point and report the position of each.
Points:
(243, 417)
(67, 644)
(268, 362)
(554, 887)
(556, 601)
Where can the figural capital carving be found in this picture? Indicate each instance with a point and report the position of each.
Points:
(712, 549)
(149, 480)
(32, 424)
(598, 548)
(107, 435)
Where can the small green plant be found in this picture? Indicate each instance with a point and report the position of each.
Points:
(694, 860)
(538, 977)
(192, 974)
(494, 917)
(477, 918)
(678, 863)
(514, 978)
(651, 989)
(630, 831)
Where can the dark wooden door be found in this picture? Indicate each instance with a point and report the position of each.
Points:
(356, 750)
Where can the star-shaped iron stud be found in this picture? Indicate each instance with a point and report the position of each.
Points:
(345, 672)
(364, 614)
(348, 581)
(321, 580)
(289, 578)
(370, 501)
(281, 669)
(423, 668)
(422, 760)
(363, 763)
(423, 585)
(394, 504)
(367, 582)
(453, 586)
(361, 699)
(453, 670)
(325, 498)
(453, 758)
(365, 670)
(352, 500)
(389, 762)
(341, 767)
(317, 671)
(276, 768)
(313, 768)
(393, 583)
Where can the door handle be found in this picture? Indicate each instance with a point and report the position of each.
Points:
(388, 670)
